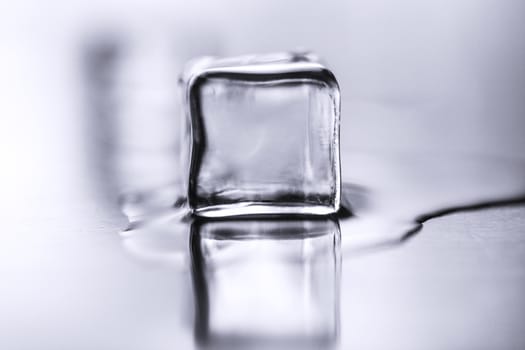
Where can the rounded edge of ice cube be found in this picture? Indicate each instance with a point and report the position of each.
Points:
(285, 70)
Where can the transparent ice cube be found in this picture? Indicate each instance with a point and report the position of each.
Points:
(264, 136)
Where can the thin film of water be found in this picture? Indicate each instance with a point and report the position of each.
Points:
(386, 199)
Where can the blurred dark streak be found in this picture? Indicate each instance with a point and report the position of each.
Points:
(478, 206)
(277, 217)
(100, 57)
(422, 219)
(201, 297)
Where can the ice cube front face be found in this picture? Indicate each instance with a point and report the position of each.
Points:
(264, 136)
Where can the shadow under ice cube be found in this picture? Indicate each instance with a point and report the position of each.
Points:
(264, 136)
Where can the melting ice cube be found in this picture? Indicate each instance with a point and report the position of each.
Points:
(264, 136)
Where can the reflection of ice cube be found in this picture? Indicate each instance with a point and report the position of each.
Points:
(265, 135)
(266, 283)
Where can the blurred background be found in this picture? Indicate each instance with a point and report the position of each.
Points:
(88, 112)
(446, 73)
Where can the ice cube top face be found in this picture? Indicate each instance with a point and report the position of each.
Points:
(264, 138)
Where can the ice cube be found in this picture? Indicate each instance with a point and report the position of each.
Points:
(264, 136)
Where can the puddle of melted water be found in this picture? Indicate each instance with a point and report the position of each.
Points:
(389, 197)
(394, 195)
